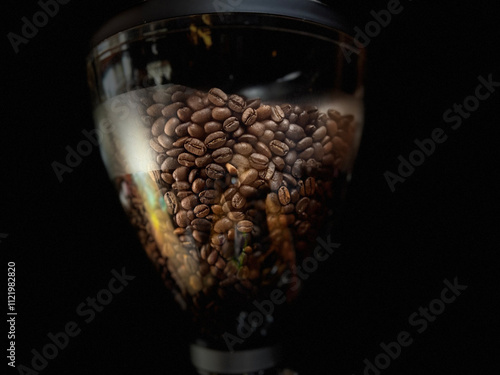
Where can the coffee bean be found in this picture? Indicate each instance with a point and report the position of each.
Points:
(272, 203)
(231, 169)
(294, 195)
(295, 132)
(301, 205)
(284, 125)
(195, 102)
(291, 157)
(290, 181)
(212, 126)
(307, 153)
(201, 210)
(303, 118)
(243, 148)
(165, 141)
(257, 129)
(221, 113)
(236, 103)
(310, 186)
(276, 181)
(238, 201)
(223, 225)
(180, 142)
(304, 143)
(181, 219)
(236, 215)
(263, 112)
(212, 258)
(202, 116)
(319, 134)
(278, 148)
(198, 185)
(156, 146)
(155, 110)
(167, 177)
(195, 146)
(201, 224)
(172, 203)
(195, 130)
(215, 171)
(249, 116)
(288, 209)
(240, 162)
(244, 226)
(184, 114)
(181, 174)
(160, 158)
(332, 127)
(203, 161)
(222, 155)
(170, 126)
(158, 126)
(231, 124)
(181, 185)
(161, 97)
(239, 132)
(297, 169)
(310, 129)
(215, 140)
(217, 97)
(259, 184)
(277, 113)
(248, 191)
(248, 138)
(189, 202)
(248, 177)
(284, 195)
(178, 96)
(279, 162)
(169, 164)
(258, 161)
(268, 136)
(318, 151)
(186, 159)
(171, 109)
(182, 129)
(263, 149)
(268, 173)
(217, 209)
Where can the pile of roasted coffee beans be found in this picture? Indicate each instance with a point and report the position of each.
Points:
(245, 184)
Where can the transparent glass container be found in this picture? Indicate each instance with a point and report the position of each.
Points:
(230, 137)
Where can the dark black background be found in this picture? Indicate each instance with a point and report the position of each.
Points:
(397, 248)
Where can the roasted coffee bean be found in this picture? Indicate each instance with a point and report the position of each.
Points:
(303, 119)
(201, 224)
(301, 205)
(165, 141)
(297, 169)
(201, 210)
(186, 159)
(161, 97)
(249, 116)
(244, 226)
(277, 113)
(212, 126)
(236, 103)
(172, 203)
(180, 142)
(332, 127)
(223, 225)
(243, 148)
(181, 219)
(310, 129)
(276, 181)
(248, 177)
(254, 103)
(290, 181)
(248, 191)
(183, 194)
(278, 162)
(257, 129)
(184, 114)
(301, 188)
(193, 174)
(239, 132)
(307, 153)
(181, 174)
(158, 126)
(258, 161)
(167, 177)
(212, 258)
(284, 195)
(215, 171)
(200, 237)
(263, 149)
(319, 134)
(268, 173)
(198, 185)
(170, 126)
(288, 209)
(178, 96)
(236, 215)
(278, 148)
(195, 146)
(318, 151)
(291, 157)
(291, 144)
(222, 155)
(287, 109)
(272, 203)
(221, 113)
(155, 110)
(284, 125)
(189, 202)
(294, 195)
(181, 185)
(304, 143)
(240, 162)
(310, 186)
(169, 164)
(182, 129)
(195, 130)
(231, 124)
(217, 97)
(156, 146)
(195, 102)
(259, 184)
(248, 138)
(171, 109)
(215, 140)
(263, 112)
(268, 136)
(160, 158)
(175, 152)
(202, 116)
(295, 132)
(238, 201)
(217, 209)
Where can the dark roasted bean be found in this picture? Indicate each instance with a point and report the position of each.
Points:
(180, 142)
(223, 225)
(258, 161)
(212, 126)
(165, 141)
(171, 109)
(221, 113)
(215, 171)
(278, 148)
(244, 226)
(215, 140)
(257, 129)
(249, 116)
(172, 203)
(291, 157)
(319, 134)
(156, 146)
(307, 153)
(202, 116)
(243, 148)
(268, 136)
(272, 203)
(170, 126)
(195, 130)
(195, 102)
(279, 162)
(203, 161)
(263, 112)
(158, 126)
(304, 143)
(182, 129)
(248, 191)
(201, 210)
(231, 124)
(277, 113)
(297, 168)
(181, 185)
(195, 146)
(291, 182)
(276, 181)
(301, 205)
(295, 132)
(284, 195)
(182, 219)
(236, 103)
(181, 174)
(238, 201)
(186, 159)
(184, 114)
(310, 186)
(155, 110)
(222, 155)
(217, 97)
(198, 185)
(263, 149)
(201, 224)
(169, 164)
(189, 202)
